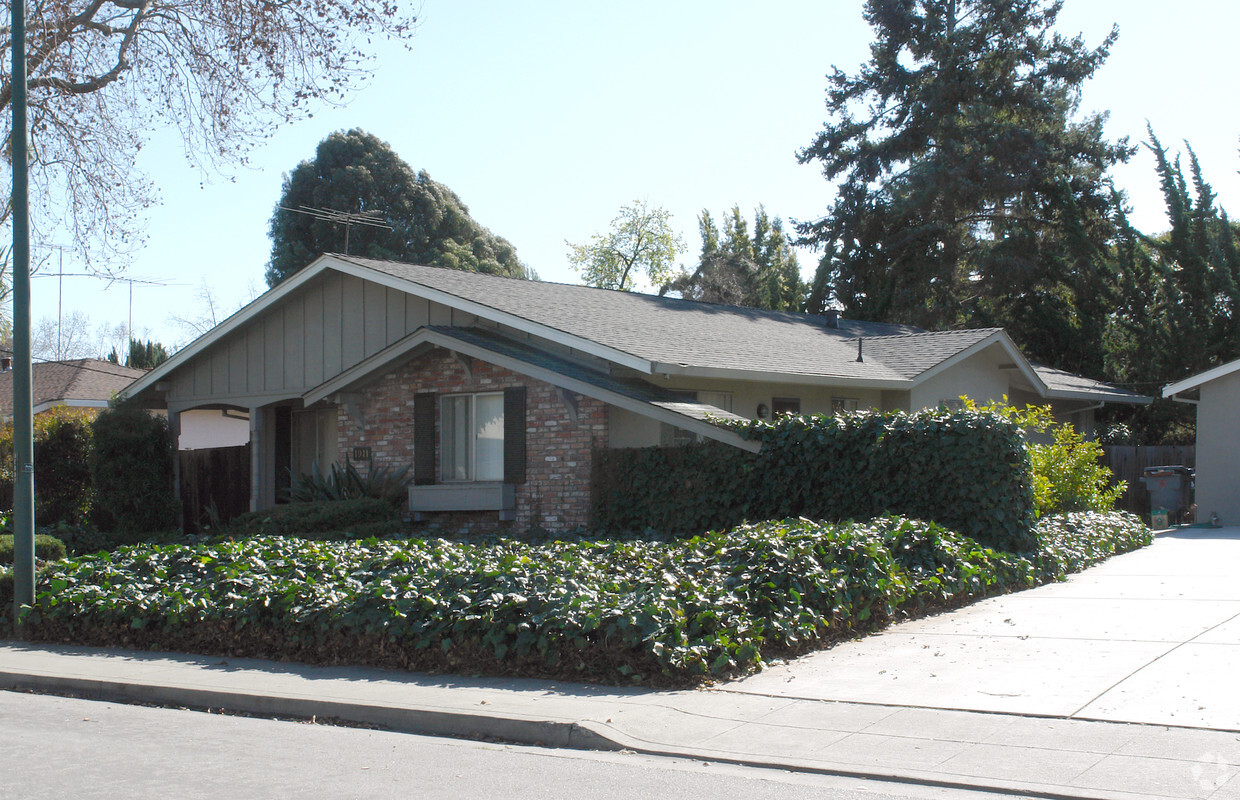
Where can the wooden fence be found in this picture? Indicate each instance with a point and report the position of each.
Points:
(1128, 462)
(215, 478)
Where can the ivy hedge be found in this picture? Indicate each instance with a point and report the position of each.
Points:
(967, 470)
(665, 612)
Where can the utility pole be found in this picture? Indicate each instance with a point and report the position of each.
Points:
(23, 417)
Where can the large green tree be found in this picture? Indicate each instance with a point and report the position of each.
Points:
(640, 243)
(758, 270)
(356, 172)
(970, 190)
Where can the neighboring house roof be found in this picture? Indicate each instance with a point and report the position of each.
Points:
(669, 336)
(1068, 386)
(1195, 381)
(82, 382)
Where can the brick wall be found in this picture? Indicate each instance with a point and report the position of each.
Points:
(556, 494)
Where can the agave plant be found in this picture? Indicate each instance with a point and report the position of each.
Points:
(384, 482)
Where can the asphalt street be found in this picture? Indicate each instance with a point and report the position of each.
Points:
(60, 747)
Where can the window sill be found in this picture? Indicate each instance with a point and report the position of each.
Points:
(481, 496)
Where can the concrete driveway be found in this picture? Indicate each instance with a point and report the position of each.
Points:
(1149, 637)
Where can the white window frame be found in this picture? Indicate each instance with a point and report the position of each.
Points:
(844, 404)
(445, 436)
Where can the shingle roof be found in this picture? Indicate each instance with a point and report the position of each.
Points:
(82, 379)
(1061, 383)
(637, 390)
(668, 330)
(911, 354)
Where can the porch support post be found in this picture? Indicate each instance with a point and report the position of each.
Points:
(256, 462)
(174, 427)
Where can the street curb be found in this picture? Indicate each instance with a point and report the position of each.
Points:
(585, 735)
(432, 722)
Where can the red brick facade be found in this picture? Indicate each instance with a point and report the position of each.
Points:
(556, 493)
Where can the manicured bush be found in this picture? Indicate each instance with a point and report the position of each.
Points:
(131, 470)
(669, 612)
(967, 470)
(369, 516)
(62, 441)
(1067, 471)
(46, 548)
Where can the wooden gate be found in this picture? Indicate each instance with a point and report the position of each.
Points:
(214, 482)
(1129, 462)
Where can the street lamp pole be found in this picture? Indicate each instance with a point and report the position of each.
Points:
(23, 418)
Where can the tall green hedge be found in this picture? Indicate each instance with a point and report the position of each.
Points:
(62, 441)
(967, 470)
(131, 469)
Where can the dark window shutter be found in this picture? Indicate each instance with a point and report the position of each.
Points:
(514, 435)
(424, 438)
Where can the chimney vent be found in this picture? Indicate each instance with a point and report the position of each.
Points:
(6, 364)
(831, 317)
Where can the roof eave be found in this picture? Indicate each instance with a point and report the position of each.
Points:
(689, 371)
(362, 373)
(1001, 338)
(1099, 397)
(232, 323)
(1195, 381)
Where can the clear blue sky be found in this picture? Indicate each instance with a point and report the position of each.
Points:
(547, 117)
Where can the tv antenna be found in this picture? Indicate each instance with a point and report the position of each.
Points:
(372, 219)
(60, 275)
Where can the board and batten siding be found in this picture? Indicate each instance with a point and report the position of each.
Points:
(310, 337)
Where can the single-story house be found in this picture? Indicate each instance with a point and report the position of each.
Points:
(77, 383)
(1216, 393)
(499, 390)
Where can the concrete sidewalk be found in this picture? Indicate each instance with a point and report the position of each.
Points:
(1119, 683)
(1021, 754)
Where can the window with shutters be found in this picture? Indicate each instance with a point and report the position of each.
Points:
(472, 437)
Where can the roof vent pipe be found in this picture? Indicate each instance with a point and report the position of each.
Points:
(859, 358)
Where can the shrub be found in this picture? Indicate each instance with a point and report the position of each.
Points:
(1070, 542)
(384, 483)
(46, 548)
(1067, 471)
(370, 515)
(967, 470)
(131, 469)
(670, 612)
(62, 441)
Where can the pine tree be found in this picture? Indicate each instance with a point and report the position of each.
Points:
(1177, 308)
(969, 194)
(759, 271)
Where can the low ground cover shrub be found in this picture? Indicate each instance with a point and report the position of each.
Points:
(333, 519)
(667, 612)
(967, 470)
